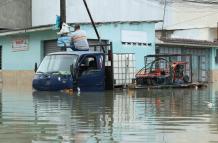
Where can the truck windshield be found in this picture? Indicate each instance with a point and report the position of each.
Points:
(57, 64)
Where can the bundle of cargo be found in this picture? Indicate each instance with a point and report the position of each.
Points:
(76, 40)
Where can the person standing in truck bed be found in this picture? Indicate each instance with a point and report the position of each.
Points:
(79, 39)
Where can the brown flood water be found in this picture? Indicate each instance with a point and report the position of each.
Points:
(154, 116)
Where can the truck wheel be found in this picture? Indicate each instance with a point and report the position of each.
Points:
(139, 81)
(186, 78)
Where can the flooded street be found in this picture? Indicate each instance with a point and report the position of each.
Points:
(154, 116)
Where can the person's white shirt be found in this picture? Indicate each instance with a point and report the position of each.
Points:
(79, 39)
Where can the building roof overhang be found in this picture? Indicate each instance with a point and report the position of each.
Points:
(51, 26)
(187, 43)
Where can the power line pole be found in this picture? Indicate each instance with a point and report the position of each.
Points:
(63, 17)
(63, 11)
(164, 14)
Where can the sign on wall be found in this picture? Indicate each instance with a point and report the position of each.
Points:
(138, 38)
(20, 43)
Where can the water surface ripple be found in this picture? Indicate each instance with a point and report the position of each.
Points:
(154, 116)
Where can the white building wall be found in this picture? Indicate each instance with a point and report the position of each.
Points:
(209, 34)
(197, 34)
(44, 11)
(213, 34)
(191, 21)
(102, 10)
(189, 15)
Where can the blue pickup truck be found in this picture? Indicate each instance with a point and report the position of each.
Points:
(84, 70)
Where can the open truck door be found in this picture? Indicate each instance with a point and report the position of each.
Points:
(91, 73)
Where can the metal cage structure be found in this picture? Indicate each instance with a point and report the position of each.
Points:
(165, 69)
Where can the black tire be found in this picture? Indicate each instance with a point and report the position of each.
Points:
(186, 78)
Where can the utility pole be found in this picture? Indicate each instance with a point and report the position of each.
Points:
(163, 34)
(63, 11)
(63, 17)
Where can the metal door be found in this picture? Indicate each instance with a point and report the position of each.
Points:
(91, 73)
(50, 46)
(203, 69)
(199, 68)
(95, 46)
(188, 70)
(200, 60)
(195, 68)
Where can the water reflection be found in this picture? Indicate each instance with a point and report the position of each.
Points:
(170, 115)
(78, 118)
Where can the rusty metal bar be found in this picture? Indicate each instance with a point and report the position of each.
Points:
(93, 24)
(168, 55)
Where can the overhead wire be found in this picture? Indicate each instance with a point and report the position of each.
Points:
(170, 5)
(203, 2)
(166, 4)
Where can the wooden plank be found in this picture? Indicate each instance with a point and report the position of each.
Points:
(189, 85)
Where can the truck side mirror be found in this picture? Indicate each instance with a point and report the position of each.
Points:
(36, 67)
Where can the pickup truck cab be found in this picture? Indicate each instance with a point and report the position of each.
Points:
(71, 70)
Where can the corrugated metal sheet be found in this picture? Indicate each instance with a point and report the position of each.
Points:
(188, 42)
(50, 47)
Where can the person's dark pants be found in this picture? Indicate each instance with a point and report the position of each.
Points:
(72, 46)
(63, 48)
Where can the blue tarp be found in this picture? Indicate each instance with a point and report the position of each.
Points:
(64, 41)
